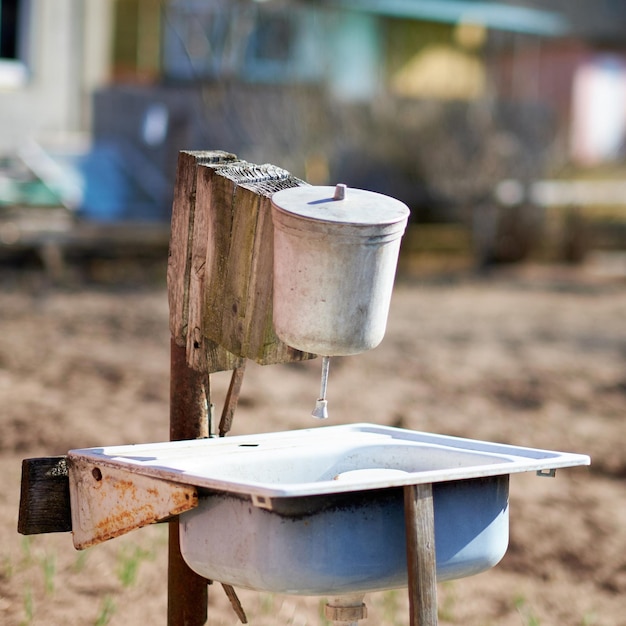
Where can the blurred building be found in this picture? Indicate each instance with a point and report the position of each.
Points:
(53, 55)
(434, 102)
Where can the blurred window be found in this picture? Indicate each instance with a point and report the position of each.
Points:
(272, 39)
(214, 39)
(270, 49)
(13, 29)
(203, 39)
(136, 41)
(8, 28)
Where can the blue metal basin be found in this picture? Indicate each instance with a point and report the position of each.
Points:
(342, 543)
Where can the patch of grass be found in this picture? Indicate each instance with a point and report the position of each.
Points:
(130, 558)
(80, 562)
(7, 569)
(268, 603)
(27, 551)
(390, 606)
(447, 601)
(321, 611)
(49, 566)
(107, 609)
(29, 606)
(525, 612)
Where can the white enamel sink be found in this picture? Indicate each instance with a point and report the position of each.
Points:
(320, 511)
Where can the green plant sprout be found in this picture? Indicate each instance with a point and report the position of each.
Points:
(29, 607)
(525, 612)
(48, 564)
(130, 560)
(106, 612)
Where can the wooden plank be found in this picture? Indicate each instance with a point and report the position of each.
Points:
(182, 229)
(237, 306)
(203, 354)
(45, 497)
(218, 193)
(183, 208)
(421, 558)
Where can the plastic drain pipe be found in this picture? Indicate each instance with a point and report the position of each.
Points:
(346, 610)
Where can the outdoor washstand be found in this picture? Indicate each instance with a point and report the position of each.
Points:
(263, 266)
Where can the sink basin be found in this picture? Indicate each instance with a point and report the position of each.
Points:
(320, 511)
(342, 543)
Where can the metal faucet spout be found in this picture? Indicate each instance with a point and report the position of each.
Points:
(321, 405)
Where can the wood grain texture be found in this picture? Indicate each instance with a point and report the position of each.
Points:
(187, 254)
(44, 497)
(204, 354)
(239, 288)
(220, 268)
(182, 226)
(190, 397)
(421, 557)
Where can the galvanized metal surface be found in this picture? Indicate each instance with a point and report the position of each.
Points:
(335, 257)
(305, 462)
(320, 411)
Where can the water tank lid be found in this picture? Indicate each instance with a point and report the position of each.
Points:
(340, 205)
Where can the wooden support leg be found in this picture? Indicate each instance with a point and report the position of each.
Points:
(187, 592)
(420, 546)
(232, 398)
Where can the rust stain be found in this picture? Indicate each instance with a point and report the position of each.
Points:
(124, 487)
(127, 517)
(120, 504)
(124, 517)
(182, 505)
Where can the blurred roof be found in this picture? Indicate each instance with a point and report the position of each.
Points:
(602, 21)
(497, 15)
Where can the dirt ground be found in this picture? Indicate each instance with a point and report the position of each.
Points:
(530, 357)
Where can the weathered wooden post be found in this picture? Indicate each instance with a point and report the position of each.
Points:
(187, 592)
(420, 554)
(219, 291)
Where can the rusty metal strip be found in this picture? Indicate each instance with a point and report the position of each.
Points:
(108, 502)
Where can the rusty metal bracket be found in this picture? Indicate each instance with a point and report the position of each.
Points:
(107, 502)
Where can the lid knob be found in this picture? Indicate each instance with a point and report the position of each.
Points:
(340, 192)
